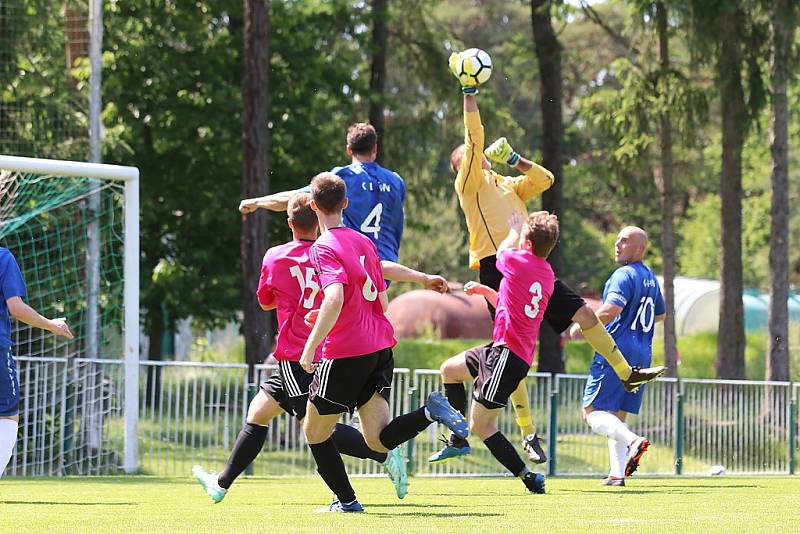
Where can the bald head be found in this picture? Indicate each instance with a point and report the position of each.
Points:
(631, 245)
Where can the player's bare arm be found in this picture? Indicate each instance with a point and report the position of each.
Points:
(21, 311)
(475, 288)
(514, 230)
(273, 202)
(397, 272)
(328, 314)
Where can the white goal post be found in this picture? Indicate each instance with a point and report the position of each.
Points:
(130, 226)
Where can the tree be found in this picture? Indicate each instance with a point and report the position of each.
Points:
(548, 54)
(666, 195)
(729, 34)
(782, 22)
(255, 180)
(377, 79)
(730, 338)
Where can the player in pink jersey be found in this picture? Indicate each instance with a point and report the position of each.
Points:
(498, 367)
(357, 340)
(289, 284)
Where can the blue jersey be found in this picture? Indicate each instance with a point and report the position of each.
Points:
(375, 205)
(11, 285)
(635, 289)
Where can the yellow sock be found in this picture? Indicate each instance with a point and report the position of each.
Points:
(522, 409)
(604, 344)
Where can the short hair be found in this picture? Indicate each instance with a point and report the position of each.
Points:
(456, 156)
(362, 138)
(300, 213)
(542, 232)
(328, 192)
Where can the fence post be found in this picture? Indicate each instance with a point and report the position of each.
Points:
(552, 433)
(792, 432)
(412, 405)
(252, 391)
(679, 429)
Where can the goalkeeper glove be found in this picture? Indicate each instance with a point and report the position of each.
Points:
(501, 152)
(455, 64)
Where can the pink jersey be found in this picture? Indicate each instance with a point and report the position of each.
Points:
(344, 256)
(524, 293)
(289, 281)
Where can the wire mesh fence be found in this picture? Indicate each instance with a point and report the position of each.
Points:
(72, 422)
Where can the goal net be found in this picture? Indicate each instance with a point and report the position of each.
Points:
(73, 228)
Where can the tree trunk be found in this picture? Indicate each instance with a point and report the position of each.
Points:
(665, 188)
(377, 79)
(548, 54)
(783, 24)
(255, 181)
(730, 338)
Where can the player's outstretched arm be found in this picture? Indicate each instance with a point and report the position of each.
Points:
(535, 179)
(397, 272)
(328, 314)
(515, 227)
(21, 311)
(475, 288)
(273, 202)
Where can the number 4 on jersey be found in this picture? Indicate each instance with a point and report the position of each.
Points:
(372, 224)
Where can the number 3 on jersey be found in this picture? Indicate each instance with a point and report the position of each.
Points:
(305, 282)
(372, 224)
(532, 309)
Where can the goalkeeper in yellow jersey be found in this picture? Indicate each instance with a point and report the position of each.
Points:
(488, 199)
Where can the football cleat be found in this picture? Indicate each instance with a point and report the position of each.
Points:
(337, 506)
(440, 411)
(533, 448)
(613, 481)
(635, 452)
(534, 482)
(449, 452)
(640, 377)
(209, 483)
(397, 470)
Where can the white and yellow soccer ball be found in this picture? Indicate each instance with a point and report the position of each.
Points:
(474, 67)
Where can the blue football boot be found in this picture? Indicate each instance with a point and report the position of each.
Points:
(441, 411)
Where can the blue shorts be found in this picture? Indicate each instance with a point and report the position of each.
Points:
(604, 390)
(9, 384)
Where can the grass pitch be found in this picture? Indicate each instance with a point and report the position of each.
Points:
(498, 505)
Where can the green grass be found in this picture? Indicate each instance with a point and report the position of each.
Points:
(146, 504)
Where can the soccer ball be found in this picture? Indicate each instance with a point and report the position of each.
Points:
(474, 67)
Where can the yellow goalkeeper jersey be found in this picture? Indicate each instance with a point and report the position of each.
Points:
(488, 198)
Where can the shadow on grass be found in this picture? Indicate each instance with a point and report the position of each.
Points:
(433, 514)
(67, 503)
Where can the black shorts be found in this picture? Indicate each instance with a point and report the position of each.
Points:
(499, 373)
(289, 387)
(344, 384)
(563, 304)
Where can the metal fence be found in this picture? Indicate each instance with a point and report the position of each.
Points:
(72, 421)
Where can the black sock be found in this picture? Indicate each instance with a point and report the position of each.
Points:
(503, 450)
(350, 442)
(404, 427)
(457, 397)
(248, 444)
(331, 468)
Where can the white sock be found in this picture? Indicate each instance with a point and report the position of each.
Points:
(618, 453)
(609, 425)
(428, 414)
(8, 438)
